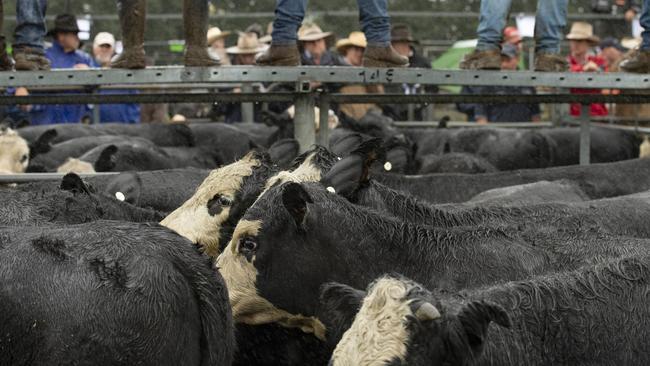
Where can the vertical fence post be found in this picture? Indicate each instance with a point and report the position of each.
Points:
(585, 135)
(324, 128)
(304, 122)
(247, 109)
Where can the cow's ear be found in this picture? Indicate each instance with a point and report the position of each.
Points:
(107, 159)
(353, 172)
(43, 143)
(475, 319)
(346, 145)
(73, 183)
(339, 304)
(126, 187)
(295, 200)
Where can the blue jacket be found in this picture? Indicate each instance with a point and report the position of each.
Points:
(62, 113)
(121, 113)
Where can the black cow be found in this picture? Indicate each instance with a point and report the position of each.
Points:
(297, 237)
(607, 145)
(454, 163)
(112, 294)
(538, 192)
(233, 143)
(74, 203)
(597, 315)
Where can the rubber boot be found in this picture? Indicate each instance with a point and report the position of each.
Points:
(132, 19)
(195, 21)
(6, 63)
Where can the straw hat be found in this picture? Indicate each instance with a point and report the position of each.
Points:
(582, 31)
(247, 44)
(215, 33)
(312, 32)
(355, 39)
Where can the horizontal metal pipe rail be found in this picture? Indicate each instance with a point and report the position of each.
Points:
(42, 177)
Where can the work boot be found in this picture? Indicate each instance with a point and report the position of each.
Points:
(638, 61)
(550, 62)
(132, 19)
(6, 63)
(280, 55)
(30, 59)
(375, 56)
(195, 21)
(482, 60)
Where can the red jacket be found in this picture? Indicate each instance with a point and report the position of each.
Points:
(597, 109)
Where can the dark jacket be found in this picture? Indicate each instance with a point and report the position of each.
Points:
(499, 112)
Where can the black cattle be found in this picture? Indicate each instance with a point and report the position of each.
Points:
(607, 145)
(596, 315)
(297, 237)
(261, 134)
(162, 190)
(74, 203)
(284, 152)
(160, 134)
(112, 294)
(538, 192)
(596, 181)
(454, 163)
(233, 143)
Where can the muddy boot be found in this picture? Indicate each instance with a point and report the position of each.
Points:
(375, 56)
(30, 59)
(280, 55)
(132, 19)
(482, 60)
(195, 21)
(637, 62)
(549, 62)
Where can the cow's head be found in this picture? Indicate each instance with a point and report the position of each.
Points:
(401, 323)
(14, 152)
(209, 217)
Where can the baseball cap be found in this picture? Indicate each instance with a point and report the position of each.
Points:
(104, 38)
(511, 35)
(612, 42)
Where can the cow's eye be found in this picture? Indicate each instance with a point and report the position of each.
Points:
(247, 248)
(225, 201)
(217, 204)
(24, 158)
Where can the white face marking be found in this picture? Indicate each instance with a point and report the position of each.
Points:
(14, 153)
(378, 334)
(120, 196)
(75, 166)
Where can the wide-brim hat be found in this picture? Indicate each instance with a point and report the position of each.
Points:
(312, 32)
(215, 33)
(582, 31)
(402, 33)
(355, 39)
(64, 23)
(247, 44)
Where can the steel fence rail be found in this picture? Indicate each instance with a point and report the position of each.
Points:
(42, 177)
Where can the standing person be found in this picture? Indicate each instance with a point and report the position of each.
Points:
(103, 52)
(315, 43)
(584, 59)
(217, 45)
(28, 47)
(64, 54)
(549, 26)
(639, 61)
(132, 20)
(375, 23)
(616, 28)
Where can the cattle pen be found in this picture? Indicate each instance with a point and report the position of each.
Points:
(198, 85)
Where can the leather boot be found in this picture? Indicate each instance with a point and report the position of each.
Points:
(132, 19)
(280, 55)
(195, 22)
(637, 61)
(550, 62)
(482, 60)
(383, 57)
(30, 59)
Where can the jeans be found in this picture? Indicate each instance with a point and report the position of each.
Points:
(550, 22)
(373, 15)
(645, 23)
(30, 23)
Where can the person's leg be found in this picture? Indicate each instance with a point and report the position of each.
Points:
(375, 23)
(550, 23)
(132, 21)
(195, 22)
(492, 22)
(28, 35)
(639, 61)
(289, 15)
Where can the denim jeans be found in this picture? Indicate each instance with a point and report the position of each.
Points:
(373, 15)
(30, 23)
(550, 22)
(645, 23)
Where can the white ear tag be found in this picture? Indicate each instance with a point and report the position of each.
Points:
(120, 196)
(388, 166)
(331, 190)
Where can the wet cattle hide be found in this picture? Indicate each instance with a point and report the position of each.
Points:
(233, 143)
(110, 293)
(455, 163)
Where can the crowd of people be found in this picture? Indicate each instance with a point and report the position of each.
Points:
(289, 42)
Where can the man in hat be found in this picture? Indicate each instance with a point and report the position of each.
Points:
(28, 50)
(639, 61)
(403, 42)
(612, 51)
(132, 21)
(314, 44)
(484, 113)
(584, 59)
(217, 45)
(549, 25)
(375, 23)
(352, 48)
